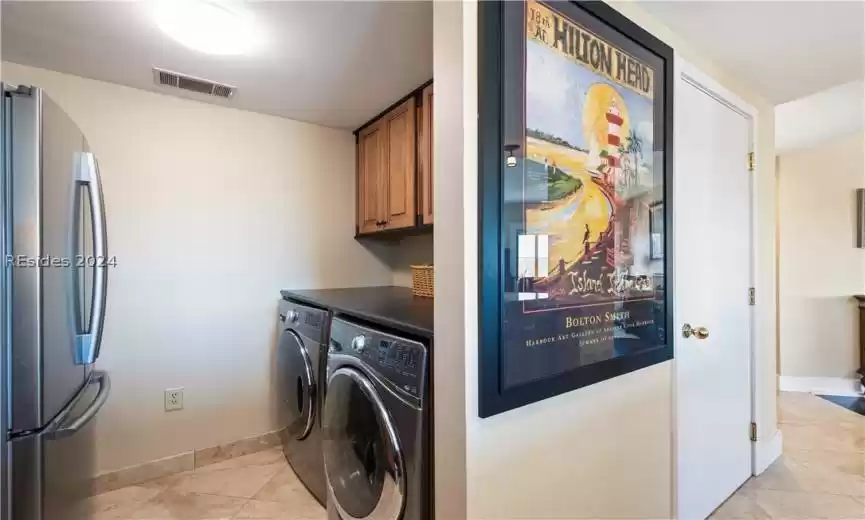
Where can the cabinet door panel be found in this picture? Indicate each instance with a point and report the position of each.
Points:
(370, 162)
(400, 166)
(426, 163)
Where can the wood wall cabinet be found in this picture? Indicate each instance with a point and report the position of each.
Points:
(386, 171)
(401, 150)
(370, 177)
(394, 167)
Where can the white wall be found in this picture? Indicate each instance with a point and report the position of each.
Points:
(820, 267)
(820, 117)
(605, 451)
(211, 212)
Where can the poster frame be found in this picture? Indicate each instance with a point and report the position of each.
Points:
(493, 396)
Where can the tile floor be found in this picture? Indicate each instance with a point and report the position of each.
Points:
(260, 485)
(821, 473)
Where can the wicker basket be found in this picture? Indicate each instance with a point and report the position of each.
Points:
(422, 280)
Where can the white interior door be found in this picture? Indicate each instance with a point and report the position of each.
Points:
(713, 263)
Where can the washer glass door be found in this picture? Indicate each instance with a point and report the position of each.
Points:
(362, 456)
(296, 385)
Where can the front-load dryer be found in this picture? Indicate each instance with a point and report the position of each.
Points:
(300, 358)
(374, 425)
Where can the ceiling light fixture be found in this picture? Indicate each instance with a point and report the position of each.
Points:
(209, 26)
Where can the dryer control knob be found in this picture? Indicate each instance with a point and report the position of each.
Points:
(358, 344)
(292, 316)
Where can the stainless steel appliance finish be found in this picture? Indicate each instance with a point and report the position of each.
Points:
(300, 357)
(54, 285)
(374, 423)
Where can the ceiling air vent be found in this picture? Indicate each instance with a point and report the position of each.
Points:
(167, 78)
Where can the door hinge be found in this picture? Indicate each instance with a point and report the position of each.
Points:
(750, 161)
(752, 296)
(753, 432)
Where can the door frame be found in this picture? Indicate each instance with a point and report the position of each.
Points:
(685, 72)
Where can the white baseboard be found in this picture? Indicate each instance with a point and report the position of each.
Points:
(767, 452)
(821, 385)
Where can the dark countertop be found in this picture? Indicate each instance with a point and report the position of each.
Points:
(393, 307)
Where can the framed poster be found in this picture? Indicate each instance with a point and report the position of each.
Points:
(575, 151)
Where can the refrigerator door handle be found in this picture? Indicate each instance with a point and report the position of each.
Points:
(88, 342)
(104, 382)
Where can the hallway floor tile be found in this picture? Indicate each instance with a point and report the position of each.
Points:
(821, 473)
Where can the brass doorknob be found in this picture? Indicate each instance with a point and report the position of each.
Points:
(698, 332)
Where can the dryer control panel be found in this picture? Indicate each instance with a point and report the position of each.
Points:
(400, 361)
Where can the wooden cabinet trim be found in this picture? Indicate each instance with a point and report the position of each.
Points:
(418, 113)
(861, 371)
(426, 166)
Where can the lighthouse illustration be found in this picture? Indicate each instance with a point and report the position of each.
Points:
(614, 128)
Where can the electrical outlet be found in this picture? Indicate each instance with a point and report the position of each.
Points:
(173, 399)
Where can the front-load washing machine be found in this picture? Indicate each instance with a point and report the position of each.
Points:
(300, 358)
(374, 425)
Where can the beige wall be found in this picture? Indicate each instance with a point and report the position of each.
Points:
(765, 366)
(414, 250)
(211, 211)
(572, 455)
(453, 136)
(820, 267)
(820, 117)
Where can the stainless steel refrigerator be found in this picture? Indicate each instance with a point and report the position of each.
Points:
(53, 289)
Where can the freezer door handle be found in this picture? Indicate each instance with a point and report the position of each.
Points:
(88, 342)
(104, 382)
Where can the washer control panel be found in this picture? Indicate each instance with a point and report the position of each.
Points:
(400, 361)
(306, 321)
